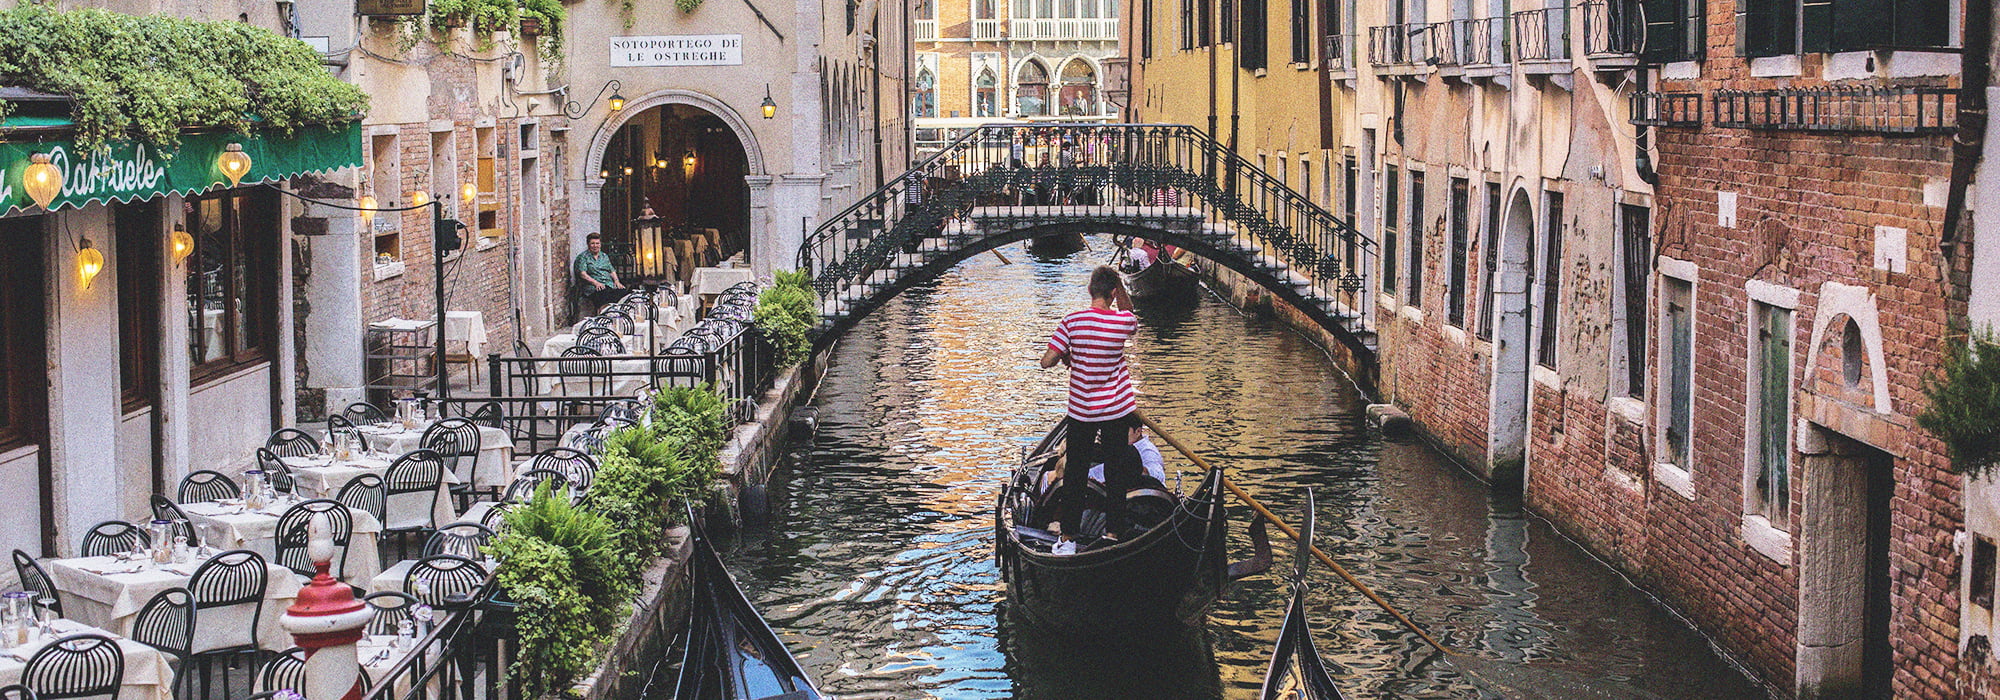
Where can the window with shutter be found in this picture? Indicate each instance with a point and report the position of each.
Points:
(1551, 278)
(1252, 42)
(1678, 370)
(1418, 229)
(1772, 421)
(1665, 29)
(1460, 240)
(1391, 208)
(1301, 31)
(1766, 27)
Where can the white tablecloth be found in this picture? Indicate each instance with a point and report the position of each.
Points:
(323, 477)
(496, 451)
(379, 656)
(110, 601)
(556, 344)
(713, 280)
(148, 675)
(629, 376)
(467, 327)
(391, 579)
(233, 527)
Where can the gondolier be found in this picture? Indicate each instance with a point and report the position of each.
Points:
(1101, 397)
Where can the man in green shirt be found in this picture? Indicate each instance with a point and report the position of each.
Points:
(598, 282)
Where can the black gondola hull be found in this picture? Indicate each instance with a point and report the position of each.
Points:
(1164, 280)
(731, 652)
(1169, 575)
(1057, 244)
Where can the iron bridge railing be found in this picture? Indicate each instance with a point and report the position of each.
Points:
(1024, 176)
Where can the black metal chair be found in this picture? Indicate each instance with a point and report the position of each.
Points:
(363, 413)
(417, 476)
(275, 470)
(164, 509)
(113, 536)
(293, 442)
(287, 670)
(207, 485)
(621, 320)
(76, 666)
(457, 442)
(390, 608)
(35, 580)
(224, 587)
(461, 539)
(446, 582)
(524, 486)
(338, 424)
(585, 365)
(17, 692)
(166, 623)
(624, 409)
(368, 494)
(488, 415)
(496, 516)
(605, 340)
(294, 534)
(573, 463)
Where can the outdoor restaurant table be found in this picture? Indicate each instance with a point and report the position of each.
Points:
(148, 675)
(322, 476)
(232, 526)
(628, 378)
(714, 280)
(496, 450)
(379, 655)
(467, 327)
(110, 600)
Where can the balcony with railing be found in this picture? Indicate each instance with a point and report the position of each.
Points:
(1043, 29)
(986, 29)
(925, 30)
(1541, 37)
(1614, 33)
(1448, 43)
(1865, 110)
(1399, 49)
(1667, 109)
(1340, 58)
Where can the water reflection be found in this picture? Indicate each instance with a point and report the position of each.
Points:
(877, 566)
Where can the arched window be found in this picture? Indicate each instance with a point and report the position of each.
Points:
(1031, 90)
(984, 96)
(1079, 88)
(923, 100)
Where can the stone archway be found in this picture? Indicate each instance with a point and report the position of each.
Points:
(1507, 422)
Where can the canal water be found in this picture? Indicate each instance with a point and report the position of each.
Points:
(877, 565)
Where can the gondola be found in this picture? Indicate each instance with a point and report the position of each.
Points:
(1296, 671)
(1165, 279)
(1169, 570)
(1055, 244)
(732, 654)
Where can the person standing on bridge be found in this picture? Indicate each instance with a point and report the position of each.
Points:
(1101, 398)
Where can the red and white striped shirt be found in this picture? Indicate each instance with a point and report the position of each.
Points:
(1100, 387)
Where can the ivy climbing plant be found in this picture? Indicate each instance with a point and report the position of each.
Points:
(147, 77)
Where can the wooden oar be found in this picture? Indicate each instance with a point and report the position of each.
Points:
(1294, 534)
(1003, 258)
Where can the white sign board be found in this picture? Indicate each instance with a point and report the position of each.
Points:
(680, 50)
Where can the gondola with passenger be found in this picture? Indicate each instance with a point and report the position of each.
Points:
(1167, 566)
(1296, 671)
(731, 652)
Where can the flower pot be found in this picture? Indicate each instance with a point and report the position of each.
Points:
(531, 26)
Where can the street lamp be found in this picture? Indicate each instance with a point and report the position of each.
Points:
(687, 165)
(649, 232)
(770, 106)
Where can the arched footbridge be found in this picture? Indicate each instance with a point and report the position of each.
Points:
(1171, 183)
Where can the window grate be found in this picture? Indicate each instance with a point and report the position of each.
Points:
(1874, 110)
(1673, 109)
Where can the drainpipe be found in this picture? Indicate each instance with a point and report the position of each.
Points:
(1975, 72)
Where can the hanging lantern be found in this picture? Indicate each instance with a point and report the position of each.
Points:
(770, 106)
(628, 170)
(419, 198)
(234, 163)
(43, 180)
(687, 165)
(617, 102)
(367, 204)
(89, 262)
(469, 192)
(180, 244)
(659, 162)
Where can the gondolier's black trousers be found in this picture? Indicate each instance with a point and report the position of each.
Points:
(1086, 444)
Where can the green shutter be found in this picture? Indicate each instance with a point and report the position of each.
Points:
(1664, 29)
(1765, 27)
(1774, 411)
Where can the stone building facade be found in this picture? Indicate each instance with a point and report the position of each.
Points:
(1021, 59)
(1615, 269)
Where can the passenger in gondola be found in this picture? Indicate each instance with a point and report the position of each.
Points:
(1101, 397)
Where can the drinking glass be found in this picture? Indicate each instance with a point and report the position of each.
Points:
(46, 610)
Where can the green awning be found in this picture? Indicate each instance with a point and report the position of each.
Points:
(129, 171)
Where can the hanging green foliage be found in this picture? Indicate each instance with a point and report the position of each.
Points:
(483, 15)
(786, 313)
(147, 77)
(551, 15)
(1964, 410)
(687, 5)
